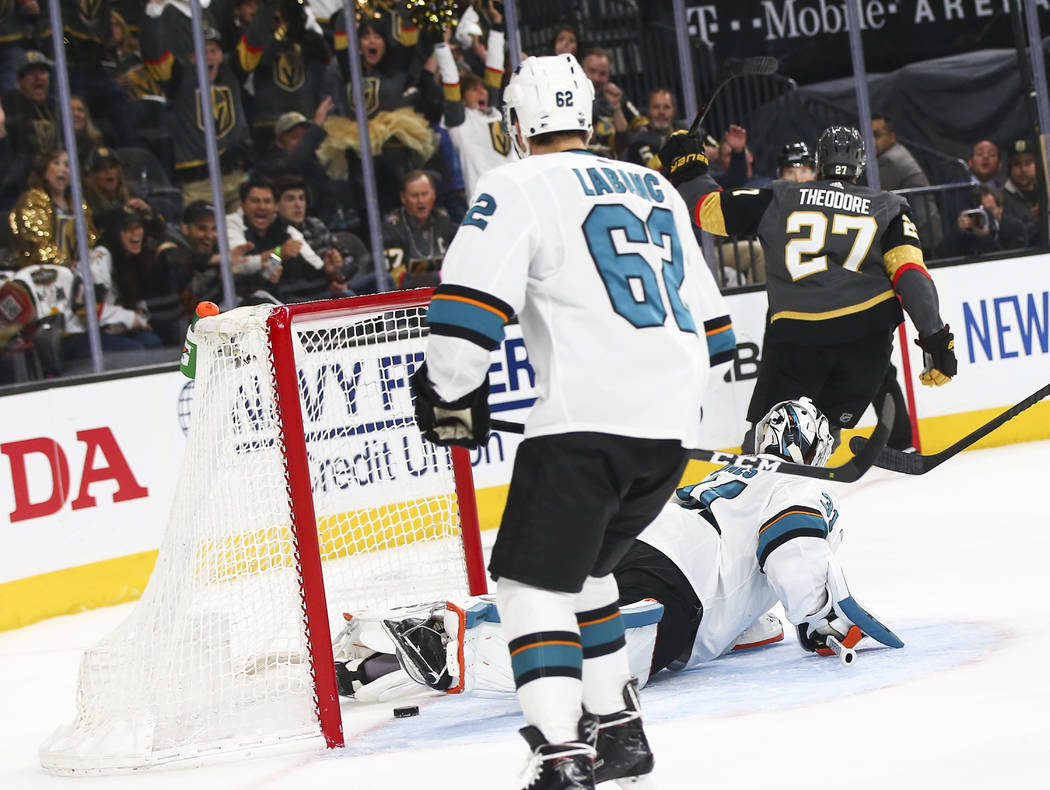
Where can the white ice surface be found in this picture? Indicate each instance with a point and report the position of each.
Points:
(954, 561)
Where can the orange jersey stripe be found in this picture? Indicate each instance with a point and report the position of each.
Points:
(541, 644)
(784, 515)
(601, 619)
(474, 302)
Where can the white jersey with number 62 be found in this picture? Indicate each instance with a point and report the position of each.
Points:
(620, 314)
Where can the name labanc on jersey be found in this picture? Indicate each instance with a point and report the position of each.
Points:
(618, 296)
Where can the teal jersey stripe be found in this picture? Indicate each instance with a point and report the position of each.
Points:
(792, 522)
(720, 346)
(544, 656)
(601, 633)
(452, 312)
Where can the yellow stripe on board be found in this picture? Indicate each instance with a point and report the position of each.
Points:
(73, 590)
(937, 433)
(122, 579)
(339, 535)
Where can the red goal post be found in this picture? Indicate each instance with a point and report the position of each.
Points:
(306, 491)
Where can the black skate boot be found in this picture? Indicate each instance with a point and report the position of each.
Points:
(623, 751)
(563, 766)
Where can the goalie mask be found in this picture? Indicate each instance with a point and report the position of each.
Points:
(547, 94)
(840, 153)
(796, 431)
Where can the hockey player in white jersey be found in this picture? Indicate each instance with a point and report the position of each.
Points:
(717, 557)
(623, 322)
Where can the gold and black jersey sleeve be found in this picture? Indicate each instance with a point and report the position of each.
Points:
(732, 213)
(906, 269)
(901, 249)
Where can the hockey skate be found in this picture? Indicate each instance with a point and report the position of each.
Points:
(562, 766)
(623, 750)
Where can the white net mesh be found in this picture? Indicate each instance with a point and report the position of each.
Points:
(215, 656)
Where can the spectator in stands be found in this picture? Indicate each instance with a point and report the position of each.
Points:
(985, 228)
(190, 251)
(416, 235)
(736, 163)
(985, 164)
(107, 194)
(87, 134)
(275, 245)
(564, 40)
(285, 54)
(291, 207)
(661, 115)
(614, 115)
(179, 80)
(21, 24)
(473, 122)
(32, 119)
(1020, 198)
(294, 150)
(123, 62)
(795, 163)
(137, 295)
(898, 169)
(88, 33)
(41, 222)
(354, 273)
(233, 21)
(402, 102)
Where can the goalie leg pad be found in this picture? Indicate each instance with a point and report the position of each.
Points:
(766, 630)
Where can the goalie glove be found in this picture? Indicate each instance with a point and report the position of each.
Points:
(938, 354)
(463, 422)
(453, 647)
(842, 617)
(420, 644)
(682, 158)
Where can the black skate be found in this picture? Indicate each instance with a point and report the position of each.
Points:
(623, 750)
(562, 766)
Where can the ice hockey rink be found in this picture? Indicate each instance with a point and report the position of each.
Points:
(954, 561)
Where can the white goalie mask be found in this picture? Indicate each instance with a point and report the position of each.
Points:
(547, 94)
(796, 431)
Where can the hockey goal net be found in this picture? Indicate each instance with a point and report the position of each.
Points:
(306, 490)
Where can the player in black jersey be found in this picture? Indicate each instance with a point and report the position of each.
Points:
(841, 261)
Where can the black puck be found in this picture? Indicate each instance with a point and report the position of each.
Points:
(405, 712)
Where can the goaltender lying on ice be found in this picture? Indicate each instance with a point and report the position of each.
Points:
(697, 583)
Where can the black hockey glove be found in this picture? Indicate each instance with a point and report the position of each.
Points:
(938, 352)
(463, 422)
(682, 158)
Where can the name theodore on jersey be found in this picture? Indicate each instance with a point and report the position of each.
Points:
(833, 198)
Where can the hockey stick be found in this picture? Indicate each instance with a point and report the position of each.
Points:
(848, 472)
(733, 68)
(916, 464)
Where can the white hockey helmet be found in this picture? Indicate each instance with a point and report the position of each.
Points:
(547, 94)
(796, 431)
